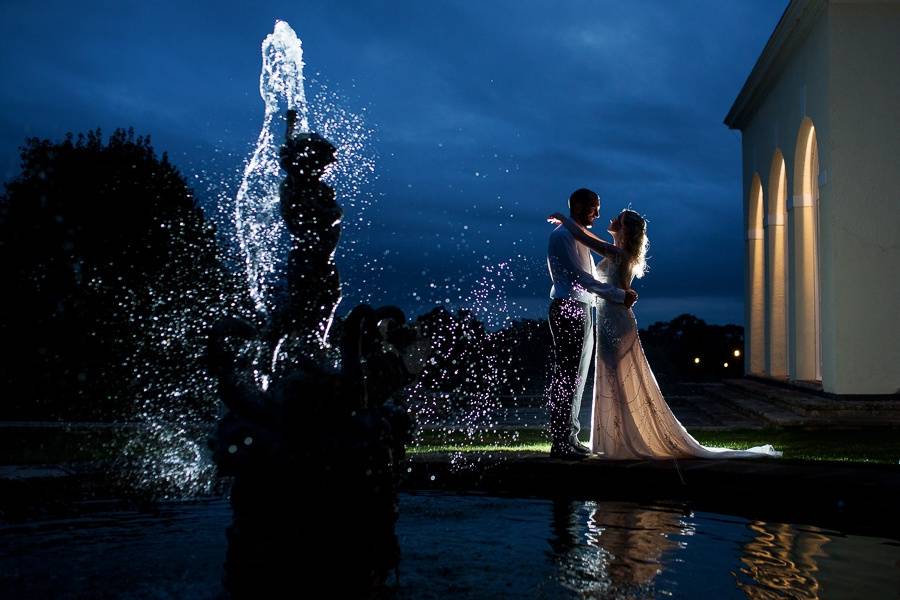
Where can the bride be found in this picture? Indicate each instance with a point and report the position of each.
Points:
(630, 418)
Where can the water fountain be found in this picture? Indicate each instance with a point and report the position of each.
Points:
(313, 450)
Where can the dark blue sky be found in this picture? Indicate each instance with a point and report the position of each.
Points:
(486, 115)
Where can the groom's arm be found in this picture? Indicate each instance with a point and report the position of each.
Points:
(564, 254)
(607, 291)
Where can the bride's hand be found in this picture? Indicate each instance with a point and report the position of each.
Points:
(555, 218)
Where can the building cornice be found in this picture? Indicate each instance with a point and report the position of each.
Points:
(792, 28)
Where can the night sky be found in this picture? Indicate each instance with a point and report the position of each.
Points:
(484, 117)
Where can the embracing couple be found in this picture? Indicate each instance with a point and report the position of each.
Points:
(590, 307)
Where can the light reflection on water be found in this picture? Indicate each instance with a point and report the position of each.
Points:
(470, 546)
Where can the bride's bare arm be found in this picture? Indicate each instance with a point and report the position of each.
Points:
(586, 237)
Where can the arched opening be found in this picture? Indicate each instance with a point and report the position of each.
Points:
(806, 358)
(755, 339)
(776, 270)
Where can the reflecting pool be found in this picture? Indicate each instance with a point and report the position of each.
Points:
(467, 546)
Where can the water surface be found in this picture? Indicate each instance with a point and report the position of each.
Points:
(471, 547)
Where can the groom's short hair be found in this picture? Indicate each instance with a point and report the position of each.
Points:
(583, 197)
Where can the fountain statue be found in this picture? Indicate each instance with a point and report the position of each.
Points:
(313, 450)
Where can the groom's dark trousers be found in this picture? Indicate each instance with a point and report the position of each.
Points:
(572, 328)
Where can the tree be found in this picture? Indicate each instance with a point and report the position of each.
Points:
(524, 348)
(113, 278)
(673, 347)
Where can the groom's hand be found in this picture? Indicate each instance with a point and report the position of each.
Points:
(630, 298)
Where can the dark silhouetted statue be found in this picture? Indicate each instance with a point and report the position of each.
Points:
(314, 455)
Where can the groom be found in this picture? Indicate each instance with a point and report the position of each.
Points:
(573, 297)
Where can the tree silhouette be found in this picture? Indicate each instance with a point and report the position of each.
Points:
(513, 362)
(523, 349)
(672, 346)
(112, 278)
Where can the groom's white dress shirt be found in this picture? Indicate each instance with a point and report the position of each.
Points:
(573, 272)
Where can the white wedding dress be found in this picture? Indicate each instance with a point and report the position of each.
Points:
(630, 418)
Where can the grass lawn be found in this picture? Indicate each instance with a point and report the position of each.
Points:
(853, 445)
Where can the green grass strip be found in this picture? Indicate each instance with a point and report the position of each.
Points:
(870, 445)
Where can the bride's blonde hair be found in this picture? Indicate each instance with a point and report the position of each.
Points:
(634, 241)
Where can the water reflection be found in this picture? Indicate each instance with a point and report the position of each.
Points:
(618, 549)
(614, 547)
(781, 561)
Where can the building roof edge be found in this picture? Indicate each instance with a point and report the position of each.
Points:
(796, 21)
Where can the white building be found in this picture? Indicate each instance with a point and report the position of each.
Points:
(820, 122)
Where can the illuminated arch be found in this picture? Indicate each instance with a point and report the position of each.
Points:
(776, 270)
(755, 343)
(805, 342)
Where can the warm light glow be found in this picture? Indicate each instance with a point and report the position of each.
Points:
(737, 353)
(697, 360)
(777, 270)
(756, 283)
(804, 321)
(725, 365)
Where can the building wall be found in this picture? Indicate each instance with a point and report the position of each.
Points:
(844, 77)
(863, 224)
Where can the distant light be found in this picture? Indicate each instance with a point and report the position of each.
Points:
(696, 360)
(725, 365)
(737, 353)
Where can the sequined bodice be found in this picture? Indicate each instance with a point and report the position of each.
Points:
(608, 271)
(615, 321)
